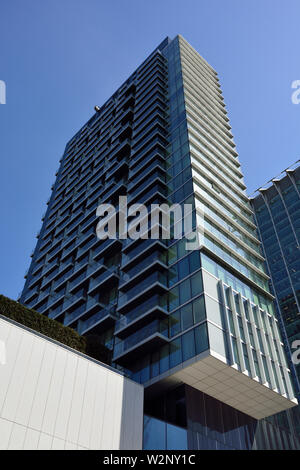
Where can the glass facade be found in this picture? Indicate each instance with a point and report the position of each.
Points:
(277, 212)
(160, 435)
(186, 418)
(163, 138)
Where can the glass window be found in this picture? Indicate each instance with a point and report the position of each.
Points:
(183, 268)
(231, 323)
(208, 264)
(264, 360)
(175, 352)
(175, 323)
(255, 359)
(187, 316)
(145, 369)
(199, 312)
(174, 298)
(246, 308)
(164, 359)
(188, 345)
(197, 286)
(237, 304)
(260, 341)
(235, 352)
(173, 276)
(251, 335)
(228, 298)
(181, 248)
(242, 333)
(154, 434)
(155, 364)
(176, 438)
(246, 357)
(255, 316)
(185, 291)
(194, 259)
(201, 338)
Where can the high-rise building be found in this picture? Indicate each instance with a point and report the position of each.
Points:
(196, 327)
(277, 212)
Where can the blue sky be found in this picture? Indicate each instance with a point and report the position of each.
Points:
(61, 57)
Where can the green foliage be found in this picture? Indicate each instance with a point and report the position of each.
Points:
(53, 329)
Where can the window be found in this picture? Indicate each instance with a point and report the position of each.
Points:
(187, 316)
(199, 310)
(197, 286)
(164, 359)
(175, 352)
(185, 291)
(201, 338)
(188, 345)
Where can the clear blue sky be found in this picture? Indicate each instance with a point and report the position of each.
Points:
(61, 57)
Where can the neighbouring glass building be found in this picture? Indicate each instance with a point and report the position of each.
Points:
(196, 327)
(277, 212)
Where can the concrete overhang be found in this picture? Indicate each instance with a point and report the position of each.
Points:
(210, 374)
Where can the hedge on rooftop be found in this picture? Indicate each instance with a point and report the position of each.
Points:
(28, 317)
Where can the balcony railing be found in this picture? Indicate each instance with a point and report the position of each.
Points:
(71, 317)
(77, 281)
(119, 146)
(107, 315)
(56, 312)
(116, 187)
(154, 333)
(108, 274)
(153, 262)
(156, 155)
(104, 246)
(72, 301)
(151, 307)
(145, 173)
(154, 281)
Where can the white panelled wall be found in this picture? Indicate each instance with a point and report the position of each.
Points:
(52, 397)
